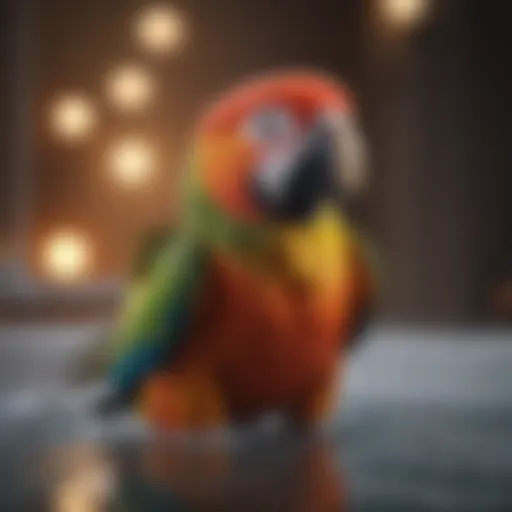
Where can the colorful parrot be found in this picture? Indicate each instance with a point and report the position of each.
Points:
(251, 303)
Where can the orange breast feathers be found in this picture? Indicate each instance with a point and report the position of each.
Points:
(270, 333)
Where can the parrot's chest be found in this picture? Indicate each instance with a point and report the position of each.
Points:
(272, 342)
(274, 330)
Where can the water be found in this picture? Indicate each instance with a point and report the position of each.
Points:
(426, 425)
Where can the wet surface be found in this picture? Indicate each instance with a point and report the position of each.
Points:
(402, 460)
(422, 428)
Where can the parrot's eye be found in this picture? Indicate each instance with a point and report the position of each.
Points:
(271, 124)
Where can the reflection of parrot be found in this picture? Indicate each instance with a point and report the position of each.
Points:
(171, 478)
(248, 306)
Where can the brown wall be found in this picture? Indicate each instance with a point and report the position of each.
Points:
(5, 99)
(442, 196)
(435, 106)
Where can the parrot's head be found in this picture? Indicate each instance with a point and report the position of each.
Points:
(274, 148)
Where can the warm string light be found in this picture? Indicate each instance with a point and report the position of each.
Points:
(161, 29)
(131, 161)
(66, 256)
(404, 13)
(129, 88)
(72, 117)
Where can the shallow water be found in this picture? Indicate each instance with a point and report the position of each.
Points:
(426, 426)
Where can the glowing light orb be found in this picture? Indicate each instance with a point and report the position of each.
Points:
(131, 161)
(130, 88)
(66, 256)
(88, 488)
(161, 29)
(404, 13)
(72, 117)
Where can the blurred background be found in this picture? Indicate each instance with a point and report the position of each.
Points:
(98, 100)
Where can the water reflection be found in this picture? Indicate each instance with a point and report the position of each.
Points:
(285, 475)
(87, 479)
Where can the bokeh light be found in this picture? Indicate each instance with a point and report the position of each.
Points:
(161, 29)
(130, 88)
(66, 256)
(72, 117)
(88, 485)
(131, 161)
(404, 13)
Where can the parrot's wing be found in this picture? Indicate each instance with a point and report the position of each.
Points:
(157, 314)
(95, 362)
(152, 244)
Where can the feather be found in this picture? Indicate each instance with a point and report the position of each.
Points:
(157, 315)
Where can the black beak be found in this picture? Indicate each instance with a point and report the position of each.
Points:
(296, 188)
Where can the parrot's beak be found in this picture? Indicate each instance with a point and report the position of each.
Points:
(292, 187)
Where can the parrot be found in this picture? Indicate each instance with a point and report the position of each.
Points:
(250, 304)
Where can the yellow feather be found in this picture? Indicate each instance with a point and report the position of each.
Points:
(315, 251)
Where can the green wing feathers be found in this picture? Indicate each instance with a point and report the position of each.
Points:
(157, 313)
